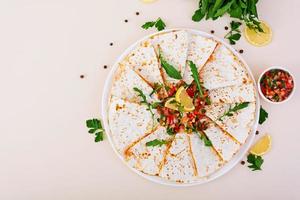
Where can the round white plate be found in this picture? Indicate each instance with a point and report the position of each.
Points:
(228, 166)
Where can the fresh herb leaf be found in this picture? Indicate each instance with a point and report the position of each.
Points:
(204, 138)
(255, 162)
(156, 142)
(95, 127)
(232, 110)
(158, 24)
(156, 88)
(234, 34)
(170, 69)
(263, 115)
(170, 131)
(198, 15)
(195, 75)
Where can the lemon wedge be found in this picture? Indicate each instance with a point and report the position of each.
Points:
(184, 99)
(262, 146)
(257, 38)
(171, 103)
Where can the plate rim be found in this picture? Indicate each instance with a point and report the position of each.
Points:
(225, 168)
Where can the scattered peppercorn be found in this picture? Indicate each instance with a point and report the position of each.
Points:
(81, 76)
(226, 27)
(126, 20)
(111, 44)
(105, 66)
(212, 31)
(241, 51)
(137, 13)
(242, 162)
(257, 132)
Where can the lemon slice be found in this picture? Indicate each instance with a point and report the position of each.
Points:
(171, 103)
(257, 38)
(262, 146)
(148, 1)
(184, 99)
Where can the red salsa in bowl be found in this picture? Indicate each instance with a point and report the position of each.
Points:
(276, 85)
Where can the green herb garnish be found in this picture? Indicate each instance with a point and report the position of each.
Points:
(232, 110)
(263, 115)
(95, 127)
(156, 142)
(195, 75)
(255, 162)
(204, 138)
(170, 131)
(156, 88)
(244, 10)
(159, 24)
(234, 34)
(170, 69)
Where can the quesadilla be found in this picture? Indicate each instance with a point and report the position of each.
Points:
(173, 47)
(238, 125)
(148, 159)
(223, 69)
(143, 60)
(199, 51)
(206, 159)
(128, 122)
(233, 94)
(179, 165)
(224, 144)
(124, 82)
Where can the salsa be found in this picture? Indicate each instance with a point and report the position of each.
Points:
(276, 85)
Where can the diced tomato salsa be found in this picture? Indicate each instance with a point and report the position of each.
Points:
(277, 85)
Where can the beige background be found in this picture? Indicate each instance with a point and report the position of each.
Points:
(45, 150)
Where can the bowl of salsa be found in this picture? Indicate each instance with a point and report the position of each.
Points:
(276, 85)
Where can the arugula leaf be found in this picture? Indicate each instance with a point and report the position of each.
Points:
(95, 127)
(231, 111)
(234, 34)
(198, 15)
(156, 142)
(195, 75)
(224, 9)
(263, 115)
(170, 69)
(158, 24)
(255, 162)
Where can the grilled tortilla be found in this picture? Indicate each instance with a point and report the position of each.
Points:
(128, 122)
(239, 125)
(148, 159)
(179, 165)
(143, 60)
(206, 159)
(223, 69)
(173, 47)
(200, 49)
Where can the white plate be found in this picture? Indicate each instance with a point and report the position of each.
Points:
(228, 166)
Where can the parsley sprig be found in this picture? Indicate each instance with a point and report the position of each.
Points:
(244, 10)
(170, 69)
(232, 110)
(195, 75)
(157, 142)
(255, 162)
(263, 115)
(159, 24)
(95, 127)
(234, 34)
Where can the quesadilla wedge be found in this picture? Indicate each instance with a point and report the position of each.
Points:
(148, 159)
(223, 143)
(233, 94)
(179, 165)
(173, 47)
(143, 60)
(238, 125)
(223, 69)
(124, 82)
(129, 122)
(199, 51)
(206, 159)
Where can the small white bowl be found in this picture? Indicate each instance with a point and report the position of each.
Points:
(263, 96)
